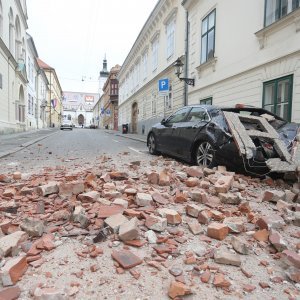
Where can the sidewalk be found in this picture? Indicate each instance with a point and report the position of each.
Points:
(11, 143)
(132, 136)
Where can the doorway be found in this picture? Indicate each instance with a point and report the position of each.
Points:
(134, 114)
(80, 120)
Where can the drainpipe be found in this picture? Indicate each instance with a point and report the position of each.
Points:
(186, 50)
(8, 110)
(50, 102)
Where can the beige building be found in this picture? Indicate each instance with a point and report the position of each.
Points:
(13, 77)
(151, 59)
(245, 52)
(54, 108)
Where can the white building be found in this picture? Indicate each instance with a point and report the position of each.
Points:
(159, 44)
(13, 78)
(245, 52)
(235, 51)
(78, 107)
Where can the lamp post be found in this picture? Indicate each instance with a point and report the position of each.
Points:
(178, 65)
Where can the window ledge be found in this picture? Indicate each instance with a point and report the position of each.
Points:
(293, 17)
(207, 65)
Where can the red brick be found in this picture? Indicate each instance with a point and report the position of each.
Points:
(10, 293)
(217, 231)
(107, 211)
(177, 289)
(126, 258)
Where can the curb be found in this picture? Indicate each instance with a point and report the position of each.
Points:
(25, 145)
(131, 138)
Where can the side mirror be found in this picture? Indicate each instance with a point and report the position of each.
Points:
(163, 121)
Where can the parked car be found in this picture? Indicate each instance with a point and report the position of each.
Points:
(200, 135)
(93, 126)
(66, 125)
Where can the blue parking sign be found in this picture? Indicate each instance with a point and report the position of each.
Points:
(163, 85)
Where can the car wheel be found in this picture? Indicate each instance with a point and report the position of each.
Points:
(152, 144)
(205, 154)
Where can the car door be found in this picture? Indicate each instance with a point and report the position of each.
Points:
(169, 132)
(197, 118)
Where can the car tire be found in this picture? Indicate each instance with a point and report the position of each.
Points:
(205, 154)
(151, 143)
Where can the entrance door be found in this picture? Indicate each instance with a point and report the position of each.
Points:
(134, 117)
(80, 120)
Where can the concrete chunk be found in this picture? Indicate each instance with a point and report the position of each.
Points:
(129, 230)
(115, 221)
(48, 189)
(10, 242)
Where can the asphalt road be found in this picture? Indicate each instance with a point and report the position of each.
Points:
(73, 149)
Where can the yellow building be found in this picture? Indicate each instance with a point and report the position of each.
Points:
(54, 107)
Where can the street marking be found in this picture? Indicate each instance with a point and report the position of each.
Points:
(116, 141)
(135, 150)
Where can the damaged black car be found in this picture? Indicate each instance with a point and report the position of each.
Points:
(243, 138)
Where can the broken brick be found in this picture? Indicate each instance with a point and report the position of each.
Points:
(126, 258)
(10, 293)
(13, 270)
(177, 289)
(217, 231)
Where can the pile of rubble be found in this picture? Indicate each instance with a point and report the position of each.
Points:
(205, 232)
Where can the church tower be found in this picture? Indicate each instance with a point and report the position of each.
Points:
(103, 76)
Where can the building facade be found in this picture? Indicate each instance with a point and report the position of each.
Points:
(78, 108)
(13, 77)
(98, 109)
(54, 108)
(251, 58)
(110, 100)
(160, 42)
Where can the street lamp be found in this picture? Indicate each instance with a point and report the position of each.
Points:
(178, 70)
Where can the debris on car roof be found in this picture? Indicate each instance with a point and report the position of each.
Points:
(284, 162)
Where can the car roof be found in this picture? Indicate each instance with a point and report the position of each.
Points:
(237, 108)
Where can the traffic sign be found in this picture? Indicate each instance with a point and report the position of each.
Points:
(163, 85)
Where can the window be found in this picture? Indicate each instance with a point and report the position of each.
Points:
(153, 104)
(11, 31)
(178, 116)
(277, 9)
(208, 37)
(170, 38)
(277, 96)
(197, 114)
(155, 54)
(114, 89)
(206, 101)
(1, 20)
(145, 65)
(144, 106)
(168, 98)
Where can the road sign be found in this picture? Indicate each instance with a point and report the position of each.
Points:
(163, 85)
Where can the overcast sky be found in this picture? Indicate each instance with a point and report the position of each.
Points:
(73, 36)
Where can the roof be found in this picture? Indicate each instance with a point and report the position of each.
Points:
(42, 64)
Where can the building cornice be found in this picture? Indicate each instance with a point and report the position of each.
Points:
(149, 26)
(7, 53)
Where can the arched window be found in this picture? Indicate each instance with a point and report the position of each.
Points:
(18, 41)
(11, 31)
(23, 55)
(1, 20)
